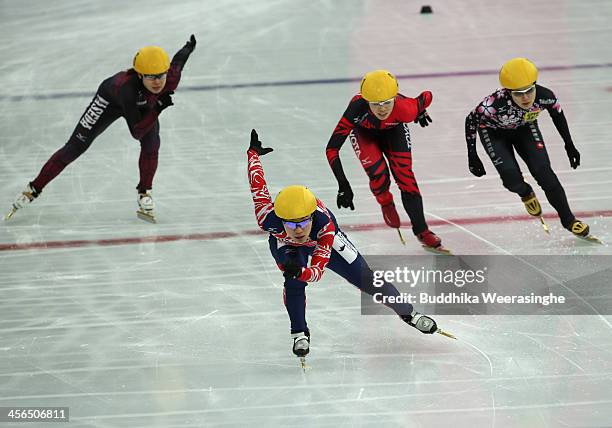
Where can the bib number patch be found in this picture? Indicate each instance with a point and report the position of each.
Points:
(530, 116)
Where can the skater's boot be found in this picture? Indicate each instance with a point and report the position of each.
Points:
(301, 344)
(146, 207)
(429, 239)
(579, 229)
(23, 199)
(421, 322)
(391, 216)
(532, 205)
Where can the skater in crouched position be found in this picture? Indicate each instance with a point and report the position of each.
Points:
(139, 95)
(376, 123)
(301, 226)
(506, 121)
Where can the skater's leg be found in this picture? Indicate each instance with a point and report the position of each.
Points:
(350, 265)
(398, 150)
(294, 291)
(530, 146)
(147, 162)
(366, 145)
(89, 127)
(499, 148)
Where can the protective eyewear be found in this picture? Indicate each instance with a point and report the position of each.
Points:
(382, 103)
(527, 91)
(159, 76)
(295, 224)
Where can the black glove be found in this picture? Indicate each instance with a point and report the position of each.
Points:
(191, 44)
(256, 144)
(292, 269)
(164, 101)
(476, 166)
(424, 119)
(573, 155)
(345, 195)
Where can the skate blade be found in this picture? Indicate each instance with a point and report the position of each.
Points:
(544, 225)
(445, 333)
(303, 364)
(591, 238)
(8, 216)
(399, 232)
(146, 216)
(438, 250)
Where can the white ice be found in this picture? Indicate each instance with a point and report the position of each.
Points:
(192, 332)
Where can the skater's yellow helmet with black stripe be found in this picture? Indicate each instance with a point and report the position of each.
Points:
(379, 85)
(518, 73)
(294, 203)
(151, 60)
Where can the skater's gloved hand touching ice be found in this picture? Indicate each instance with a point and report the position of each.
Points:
(256, 144)
(475, 164)
(164, 101)
(292, 269)
(573, 155)
(345, 195)
(423, 119)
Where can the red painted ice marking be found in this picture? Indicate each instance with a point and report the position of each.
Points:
(211, 236)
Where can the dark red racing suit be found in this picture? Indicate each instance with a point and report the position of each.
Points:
(121, 95)
(374, 140)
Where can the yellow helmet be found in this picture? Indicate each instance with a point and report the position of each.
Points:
(295, 202)
(518, 73)
(151, 60)
(378, 85)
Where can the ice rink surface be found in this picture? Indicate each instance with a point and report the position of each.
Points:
(181, 324)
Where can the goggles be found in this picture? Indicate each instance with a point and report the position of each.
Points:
(382, 103)
(527, 91)
(159, 76)
(295, 224)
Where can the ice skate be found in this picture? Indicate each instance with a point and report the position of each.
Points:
(301, 347)
(581, 230)
(424, 324)
(146, 207)
(432, 243)
(392, 219)
(23, 199)
(533, 207)
(391, 216)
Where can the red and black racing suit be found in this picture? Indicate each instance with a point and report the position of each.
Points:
(373, 140)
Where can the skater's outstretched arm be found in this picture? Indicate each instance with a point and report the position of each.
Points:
(257, 182)
(180, 58)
